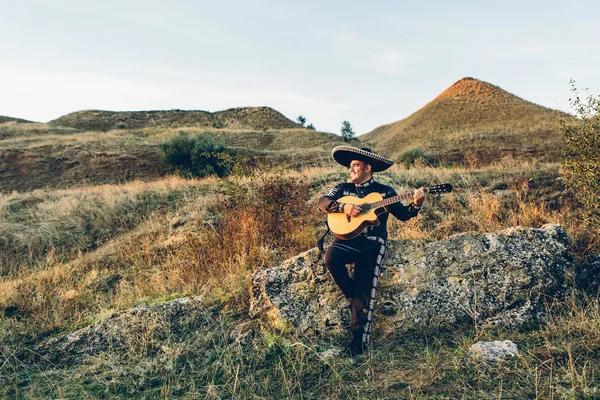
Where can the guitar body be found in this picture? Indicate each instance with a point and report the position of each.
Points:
(346, 227)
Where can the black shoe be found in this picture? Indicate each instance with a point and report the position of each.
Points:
(356, 346)
(353, 350)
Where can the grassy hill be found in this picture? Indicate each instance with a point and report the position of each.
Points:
(473, 120)
(34, 156)
(254, 118)
(94, 228)
(4, 119)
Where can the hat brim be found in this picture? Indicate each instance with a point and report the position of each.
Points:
(344, 155)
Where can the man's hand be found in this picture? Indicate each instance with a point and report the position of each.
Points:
(419, 197)
(352, 209)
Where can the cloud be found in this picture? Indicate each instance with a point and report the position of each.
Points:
(43, 95)
(376, 57)
(390, 62)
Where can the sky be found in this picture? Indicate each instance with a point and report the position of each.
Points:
(330, 61)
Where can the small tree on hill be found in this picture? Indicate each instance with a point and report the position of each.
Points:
(301, 120)
(346, 131)
(581, 167)
(311, 126)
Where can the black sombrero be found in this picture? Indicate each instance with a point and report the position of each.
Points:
(345, 154)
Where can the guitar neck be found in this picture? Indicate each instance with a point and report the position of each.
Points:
(395, 199)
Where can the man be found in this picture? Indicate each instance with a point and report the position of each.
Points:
(366, 250)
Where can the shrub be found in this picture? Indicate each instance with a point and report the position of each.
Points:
(410, 157)
(261, 224)
(196, 155)
(581, 167)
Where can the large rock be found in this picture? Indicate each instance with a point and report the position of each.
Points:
(144, 328)
(502, 278)
(493, 351)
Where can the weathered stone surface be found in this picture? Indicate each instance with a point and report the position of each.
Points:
(143, 328)
(493, 351)
(330, 353)
(499, 278)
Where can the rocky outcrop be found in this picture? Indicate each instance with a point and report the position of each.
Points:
(502, 278)
(493, 351)
(145, 327)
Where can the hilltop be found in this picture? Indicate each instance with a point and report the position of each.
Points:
(4, 119)
(473, 118)
(256, 118)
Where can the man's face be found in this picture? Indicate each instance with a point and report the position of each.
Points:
(360, 171)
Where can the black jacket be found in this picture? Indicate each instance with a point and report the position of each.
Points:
(328, 203)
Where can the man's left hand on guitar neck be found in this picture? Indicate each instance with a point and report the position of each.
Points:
(419, 197)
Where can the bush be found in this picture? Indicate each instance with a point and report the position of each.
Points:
(410, 157)
(261, 224)
(196, 155)
(581, 167)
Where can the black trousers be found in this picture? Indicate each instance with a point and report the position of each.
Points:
(367, 253)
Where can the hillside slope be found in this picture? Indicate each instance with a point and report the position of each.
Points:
(258, 118)
(473, 118)
(35, 156)
(4, 119)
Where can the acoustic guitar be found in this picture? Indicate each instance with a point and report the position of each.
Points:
(346, 227)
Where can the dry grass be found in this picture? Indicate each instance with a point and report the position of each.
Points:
(114, 246)
(144, 246)
(59, 225)
(199, 360)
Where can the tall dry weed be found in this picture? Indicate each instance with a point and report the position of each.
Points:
(261, 224)
(472, 210)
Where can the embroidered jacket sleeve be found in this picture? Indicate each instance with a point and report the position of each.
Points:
(399, 210)
(328, 202)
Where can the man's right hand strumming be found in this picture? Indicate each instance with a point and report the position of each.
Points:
(352, 210)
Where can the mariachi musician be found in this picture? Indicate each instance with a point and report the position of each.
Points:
(367, 248)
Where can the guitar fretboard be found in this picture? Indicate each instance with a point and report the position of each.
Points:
(394, 199)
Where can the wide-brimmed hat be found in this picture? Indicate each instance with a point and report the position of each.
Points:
(345, 154)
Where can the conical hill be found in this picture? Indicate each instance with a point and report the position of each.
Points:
(473, 118)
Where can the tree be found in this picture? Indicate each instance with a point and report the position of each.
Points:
(346, 131)
(581, 167)
(311, 126)
(301, 120)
